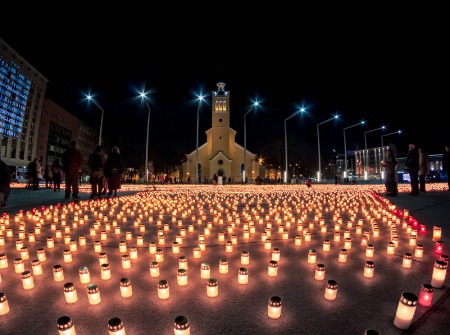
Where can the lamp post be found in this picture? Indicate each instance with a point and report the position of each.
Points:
(89, 97)
(345, 146)
(319, 177)
(200, 99)
(255, 104)
(301, 110)
(365, 144)
(143, 96)
(395, 132)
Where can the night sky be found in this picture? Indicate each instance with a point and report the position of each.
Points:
(383, 70)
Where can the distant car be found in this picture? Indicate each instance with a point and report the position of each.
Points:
(436, 176)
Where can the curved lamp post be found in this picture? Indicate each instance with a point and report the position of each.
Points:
(395, 132)
(301, 110)
(144, 97)
(200, 99)
(89, 97)
(345, 146)
(319, 177)
(255, 104)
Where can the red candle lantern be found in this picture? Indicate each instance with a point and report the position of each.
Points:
(439, 247)
(426, 295)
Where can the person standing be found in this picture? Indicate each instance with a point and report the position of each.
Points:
(5, 183)
(389, 163)
(423, 168)
(114, 172)
(31, 173)
(446, 164)
(96, 163)
(412, 167)
(48, 176)
(56, 171)
(72, 160)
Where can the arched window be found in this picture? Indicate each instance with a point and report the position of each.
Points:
(224, 105)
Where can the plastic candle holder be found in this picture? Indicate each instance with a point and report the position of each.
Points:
(103, 258)
(405, 310)
(126, 290)
(152, 248)
(298, 240)
(438, 248)
(272, 269)
(342, 255)
(205, 270)
(126, 262)
(115, 326)
(319, 272)
(212, 288)
(67, 256)
(70, 293)
(369, 269)
(181, 326)
(426, 295)
(27, 280)
(105, 271)
(163, 289)
(390, 248)
(418, 251)
(407, 260)
(36, 266)
(326, 245)
(159, 255)
(370, 250)
(223, 265)
(19, 267)
(85, 277)
(439, 273)
(243, 276)
(65, 326)
(312, 256)
(245, 258)
(437, 233)
(93, 294)
(182, 278)
(331, 290)
(198, 251)
(274, 307)
(154, 269)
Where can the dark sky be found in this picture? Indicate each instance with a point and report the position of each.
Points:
(389, 70)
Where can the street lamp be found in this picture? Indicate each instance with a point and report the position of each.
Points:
(395, 132)
(319, 177)
(89, 97)
(365, 143)
(255, 104)
(301, 110)
(200, 99)
(345, 146)
(144, 97)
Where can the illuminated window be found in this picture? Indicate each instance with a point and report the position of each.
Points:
(224, 105)
(220, 105)
(217, 105)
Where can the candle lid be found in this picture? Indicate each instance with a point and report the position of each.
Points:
(243, 271)
(68, 287)
(427, 288)
(320, 267)
(64, 323)
(409, 299)
(212, 282)
(125, 282)
(92, 288)
(440, 265)
(115, 324)
(2, 297)
(163, 284)
(275, 301)
(181, 323)
(332, 284)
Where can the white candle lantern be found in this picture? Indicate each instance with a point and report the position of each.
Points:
(347, 233)
(444, 258)
(4, 305)
(84, 274)
(326, 245)
(390, 248)
(65, 326)
(274, 307)
(229, 246)
(82, 240)
(133, 252)
(319, 272)
(40, 254)
(126, 290)
(245, 258)
(348, 243)
(437, 233)
(205, 270)
(122, 246)
(19, 267)
(70, 293)
(439, 273)
(223, 265)
(405, 310)
(212, 288)
(73, 245)
(268, 244)
(182, 278)
(58, 273)
(202, 245)
(19, 244)
(3, 261)
(105, 271)
(139, 240)
(298, 240)
(370, 250)
(154, 269)
(67, 255)
(27, 280)
(93, 294)
(36, 266)
(181, 326)
(243, 276)
(272, 269)
(183, 262)
(126, 262)
(24, 254)
(103, 258)
(331, 290)
(418, 251)
(312, 256)
(152, 248)
(115, 326)
(97, 246)
(342, 255)
(163, 289)
(412, 240)
(103, 235)
(426, 295)
(67, 239)
(128, 236)
(337, 236)
(276, 255)
(369, 269)
(307, 236)
(159, 256)
(407, 260)
(197, 251)
(31, 237)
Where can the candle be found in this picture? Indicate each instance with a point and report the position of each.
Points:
(85, 277)
(438, 248)
(70, 293)
(245, 258)
(439, 272)
(348, 243)
(182, 277)
(319, 272)
(102, 258)
(126, 262)
(36, 267)
(412, 240)
(223, 265)
(243, 276)
(93, 294)
(97, 246)
(152, 248)
(27, 280)
(331, 290)
(274, 307)
(181, 326)
(368, 269)
(3, 261)
(175, 247)
(65, 326)
(407, 260)
(369, 250)
(212, 288)
(326, 245)
(19, 267)
(272, 268)
(204, 270)
(426, 295)
(405, 310)
(82, 240)
(122, 246)
(342, 255)
(125, 288)
(58, 273)
(115, 326)
(418, 251)
(163, 289)
(390, 248)
(198, 251)
(154, 269)
(298, 240)
(105, 271)
(4, 306)
(229, 246)
(159, 256)
(437, 232)
(311, 256)
(337, 236)
(133, 252)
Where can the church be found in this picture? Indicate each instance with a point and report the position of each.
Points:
(221, 155)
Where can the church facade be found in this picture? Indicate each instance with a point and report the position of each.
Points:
(221, 155)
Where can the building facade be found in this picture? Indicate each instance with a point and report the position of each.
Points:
(221, 155)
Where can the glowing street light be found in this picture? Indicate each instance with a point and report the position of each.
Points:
(395, 132)
(144, 97)
(254, 105)
(301, 110)
(200, 99)
(345, 146)
(319, 177)
(90, 97)
(365, 143)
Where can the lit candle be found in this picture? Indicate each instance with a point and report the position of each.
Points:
(312, 256)
(152, 248)
(67, 239)
(67, 254)
(307, 236)
(65, 326)
(437, 232)
(93, 294)
(181, 326)
(154, 269)
(40, 255)
(405, 310)
(133, 252)
(73, 245)
(212, 288)
(342, 255)
(337, 236)
(326, 245)
(438, 248)
(122, 246)
(82, 240)
(426, 295)
(444, 258)
(223, 265)
(390, 248)
(139, 240)
(407, 260)
(126, 262)
(274, 307)
(175, 248)
(198, 251)
(102, 258)
(159, 256)
(161, 240)
(3, 261)
(19, 267)
(418, 251)
(58, 273)
(205, 270)
(183, 262)
(36, 267)
(369, 250)
(31, 237)
(24, 254)
(245, 258)
(128, 236)
(105, 271)
(182, 277)
(4, 306)
(331, 290)
(369, 269)
(412, 240)
(85, 277)
(272, 269)
(348, 243)
(243, 276)
(319, 272)
(19, 245)
(125, 288)
(70, 293)
(27, 280)
(439, 272)
(115, 326)
(347, 233)
(163, 289)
